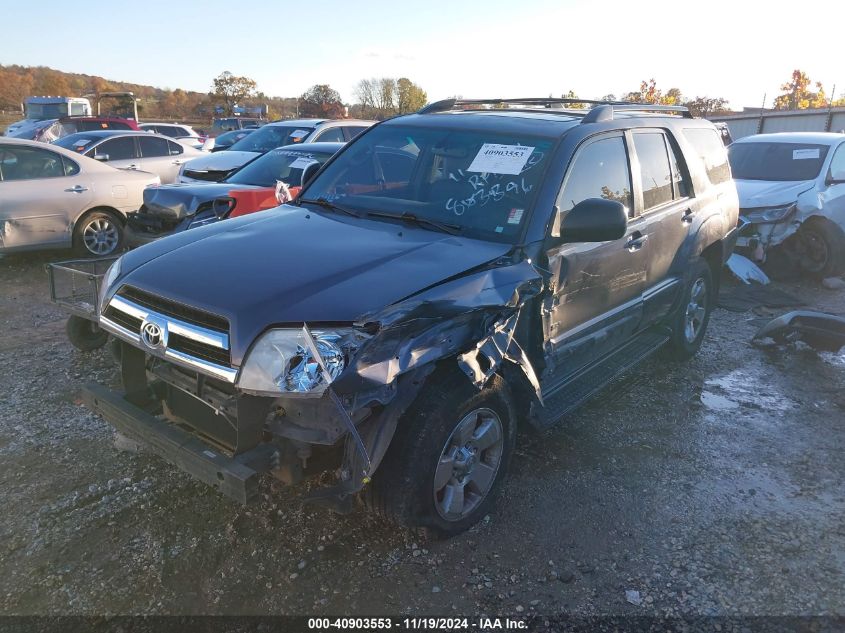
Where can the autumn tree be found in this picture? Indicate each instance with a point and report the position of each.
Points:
(650, 93)
(798, 96)
(321, 100)
(232, 90)
(14, 88)
(706, 106)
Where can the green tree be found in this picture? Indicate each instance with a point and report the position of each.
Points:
(409, 96)
(571, 95)
(321, 100)
(705, 106)
(798, 96)
(232, 90)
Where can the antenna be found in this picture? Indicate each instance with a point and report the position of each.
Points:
(762, 109)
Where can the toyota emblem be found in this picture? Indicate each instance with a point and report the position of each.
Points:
(153, 335)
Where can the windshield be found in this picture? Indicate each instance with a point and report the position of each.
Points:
(483, 182)
(776, 161)
(286, 165)
(40, 111)
(270, 137)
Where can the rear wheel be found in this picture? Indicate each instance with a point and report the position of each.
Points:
(689, 323)
(448, 458)
(98, 234)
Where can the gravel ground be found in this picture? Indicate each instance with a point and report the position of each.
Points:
(713, 487)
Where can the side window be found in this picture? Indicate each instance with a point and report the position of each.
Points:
(77, 109)
(29, 163)
(655, 173)
(334, 134)
(679, 174)
(709, 147)
(837, 164)
(354, 130)
(69, 166)
(175, 148)
(118, 148)
(600, 170)
(153, 146)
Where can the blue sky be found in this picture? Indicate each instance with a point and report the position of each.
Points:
(733, 49)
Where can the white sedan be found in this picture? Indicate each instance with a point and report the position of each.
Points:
(51, 197)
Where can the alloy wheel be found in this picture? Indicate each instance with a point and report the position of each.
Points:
(100, 236)
(696, 310)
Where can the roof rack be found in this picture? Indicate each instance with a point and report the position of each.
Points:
(602, 111)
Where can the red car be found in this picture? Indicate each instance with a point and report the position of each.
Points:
(58, 128)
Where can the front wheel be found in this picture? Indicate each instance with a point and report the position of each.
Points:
(449, 456)
(820, 247)
(689, 323)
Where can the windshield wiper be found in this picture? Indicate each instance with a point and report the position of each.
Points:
(443, 227)
(325, 204)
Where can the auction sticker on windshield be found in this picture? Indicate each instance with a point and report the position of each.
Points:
(804, 154)
(493, 158)
(302, 162)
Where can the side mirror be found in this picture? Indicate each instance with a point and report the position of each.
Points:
(101, 157)
(308, 172)
(592, 220)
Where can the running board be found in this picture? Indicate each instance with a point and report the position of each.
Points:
(572, 393)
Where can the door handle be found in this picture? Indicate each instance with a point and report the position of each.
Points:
(178, 162)
(77, 189)
(687, 217)
(132, 166)
(635, 241)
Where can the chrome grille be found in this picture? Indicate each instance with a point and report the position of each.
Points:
(187, 336)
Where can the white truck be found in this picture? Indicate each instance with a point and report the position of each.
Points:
(37, 109)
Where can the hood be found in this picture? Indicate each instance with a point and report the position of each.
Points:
(176, 202)
(220, 161)
(766, 193)
(287, 266)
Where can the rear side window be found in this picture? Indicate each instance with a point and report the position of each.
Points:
(600, 170)
(655, 172)
(354, 130)
(152, 146)
(709, 147)
(334, 134)
(118, 148)
(175, 148)
(70, 167)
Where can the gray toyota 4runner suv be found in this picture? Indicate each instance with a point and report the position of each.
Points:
(448, 276)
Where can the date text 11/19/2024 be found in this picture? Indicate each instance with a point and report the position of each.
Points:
(416, 624)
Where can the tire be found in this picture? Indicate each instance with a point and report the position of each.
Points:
(85, 335)
(690, 320)
(819, 246)
(98, 234)
(448, 411)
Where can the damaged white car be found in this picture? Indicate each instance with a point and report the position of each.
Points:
(791, 190)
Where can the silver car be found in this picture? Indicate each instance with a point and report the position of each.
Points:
(220, 165)
(140, 151)
(51, 197)
(791, 190)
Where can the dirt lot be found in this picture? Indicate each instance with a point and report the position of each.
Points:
(713, 487)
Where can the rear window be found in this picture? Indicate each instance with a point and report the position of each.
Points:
(777, 161)
(709, 147)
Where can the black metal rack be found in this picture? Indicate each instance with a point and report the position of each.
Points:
(602, 110)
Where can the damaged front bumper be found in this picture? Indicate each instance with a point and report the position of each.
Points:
(236, 477)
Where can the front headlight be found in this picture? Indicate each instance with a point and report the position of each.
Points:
(108, 280)
(281, 361)
(770, 215)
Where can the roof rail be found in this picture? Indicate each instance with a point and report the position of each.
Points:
(602, 111)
